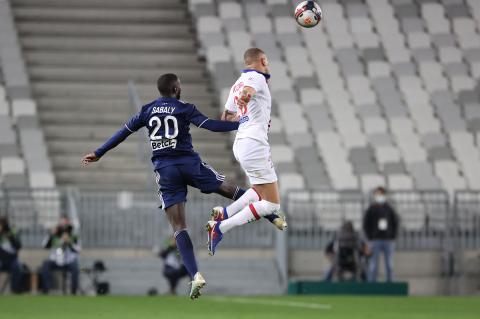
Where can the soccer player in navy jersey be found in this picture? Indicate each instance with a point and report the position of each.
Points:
(176, 163)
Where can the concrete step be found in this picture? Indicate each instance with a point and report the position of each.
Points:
(117, 59)
(106, 163)
(76, 117)
(111, 75)
(114, 104)
(117, 44)
(101, 15)
(87, 104)
(114, 179)
(116, 160)
(111, 4)
(164, 30)
(57, 147)
(85, 89)
(51, 104)
(95, 132)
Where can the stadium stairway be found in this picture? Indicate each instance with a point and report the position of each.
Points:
(80, 55)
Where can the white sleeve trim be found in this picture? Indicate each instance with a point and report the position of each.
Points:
(202, 123)
(128, 128)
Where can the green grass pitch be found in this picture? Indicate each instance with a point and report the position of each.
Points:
(263, 307)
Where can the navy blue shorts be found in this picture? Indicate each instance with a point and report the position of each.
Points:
(173, 181)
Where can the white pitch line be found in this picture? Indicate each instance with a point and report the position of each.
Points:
(264, 302)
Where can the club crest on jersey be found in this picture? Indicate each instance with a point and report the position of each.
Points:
(163, 144)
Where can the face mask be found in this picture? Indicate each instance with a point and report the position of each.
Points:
(380, 199)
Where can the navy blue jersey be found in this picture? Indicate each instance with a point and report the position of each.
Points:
(168, 123)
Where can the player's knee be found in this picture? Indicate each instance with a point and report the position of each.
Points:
(178, 226)
(268, 208)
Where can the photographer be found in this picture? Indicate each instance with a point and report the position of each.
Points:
(64, 249)
(9, 246)
(173, 268)
(347, 253)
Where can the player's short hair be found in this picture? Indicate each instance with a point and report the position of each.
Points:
(166, 83)
(252, 55)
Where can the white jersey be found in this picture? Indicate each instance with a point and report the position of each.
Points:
(255, 117)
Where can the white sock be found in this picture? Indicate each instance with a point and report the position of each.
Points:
(248, 214)
(248, 197)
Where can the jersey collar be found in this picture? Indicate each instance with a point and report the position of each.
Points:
(266, 75)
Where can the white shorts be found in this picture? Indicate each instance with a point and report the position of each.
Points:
(256, 160)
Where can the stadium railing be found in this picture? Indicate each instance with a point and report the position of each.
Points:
(132, 219)
(466, 222)
(34, 212)
(315, 217)
(118, 219)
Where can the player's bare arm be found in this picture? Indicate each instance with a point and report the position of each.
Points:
(229, 116)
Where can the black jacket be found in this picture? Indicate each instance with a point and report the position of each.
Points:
(380, 222)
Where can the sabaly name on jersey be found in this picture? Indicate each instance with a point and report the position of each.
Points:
(163, 109)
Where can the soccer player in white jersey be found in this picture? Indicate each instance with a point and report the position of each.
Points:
(250, 103)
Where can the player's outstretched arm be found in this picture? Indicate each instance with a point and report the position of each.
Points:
(200, 120)
(112, 142)
(219, 126)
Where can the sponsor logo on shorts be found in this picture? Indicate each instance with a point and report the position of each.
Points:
(162, 144)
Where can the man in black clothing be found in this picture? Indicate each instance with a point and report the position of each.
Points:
(173, 268)
(380, 224)
(9, 246)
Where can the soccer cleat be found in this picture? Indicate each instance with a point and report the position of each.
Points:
(278, 219)
(214, 236)
(197, 284)
(219, 213)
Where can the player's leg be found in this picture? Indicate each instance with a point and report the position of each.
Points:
(241, 199)
(227, 190)
(255, 159)
(173, 193)
(176, 217)
(208, 180)
(268, 204)
(245, 198)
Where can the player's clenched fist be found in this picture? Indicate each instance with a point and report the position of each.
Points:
(89, 158)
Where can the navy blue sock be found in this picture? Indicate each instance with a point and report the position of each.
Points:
(185, 246)
(238, 193)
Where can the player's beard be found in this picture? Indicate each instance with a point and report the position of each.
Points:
(178, 94)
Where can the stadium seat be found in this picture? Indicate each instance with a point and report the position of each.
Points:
(379, 85)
